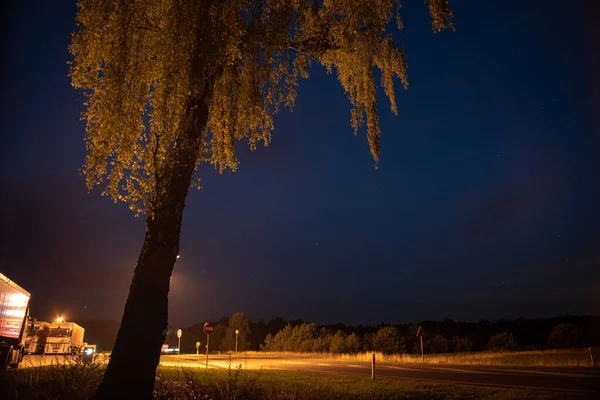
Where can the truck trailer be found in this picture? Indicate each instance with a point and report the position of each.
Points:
(14, 313)
(35, 341)
(64, 338)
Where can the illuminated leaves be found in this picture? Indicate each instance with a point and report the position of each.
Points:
(144, 65)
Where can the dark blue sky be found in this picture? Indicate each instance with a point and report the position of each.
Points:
(485, 206)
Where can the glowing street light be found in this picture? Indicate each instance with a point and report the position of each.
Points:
(237, 331)
(59, 319)
(178, 340)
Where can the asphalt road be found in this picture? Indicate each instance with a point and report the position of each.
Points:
(572, 382)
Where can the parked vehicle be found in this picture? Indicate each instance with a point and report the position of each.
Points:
(14, 314)
(64, 338)
(35, 340)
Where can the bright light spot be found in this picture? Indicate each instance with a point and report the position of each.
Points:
(59, 319)
(89, 351)
(178, 256)
(170, 350)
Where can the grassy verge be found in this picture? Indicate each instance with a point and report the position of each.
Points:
(69, 381)
(538, 358)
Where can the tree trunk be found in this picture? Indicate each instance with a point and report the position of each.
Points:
(131, 371)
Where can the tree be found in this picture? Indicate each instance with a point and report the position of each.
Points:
(338, 343)
(352, 343)
(502, 342)
(388, 341)
(463, 344)
(238, 321)
(174, 83)
(217, 339)
(564, 335)
(438, 344)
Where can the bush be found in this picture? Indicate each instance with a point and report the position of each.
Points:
(564, 335)
(502, 342)
(460, 345)
(67, 378)
(438, 344)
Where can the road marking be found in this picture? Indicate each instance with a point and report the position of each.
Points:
(464, 371)
(398, 368)
(295, 362)
(354, 366)
(326, 365)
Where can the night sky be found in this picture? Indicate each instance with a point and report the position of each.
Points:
(485, 206)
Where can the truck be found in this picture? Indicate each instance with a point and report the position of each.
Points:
(35, 340)
(14, 314)
(64, 338)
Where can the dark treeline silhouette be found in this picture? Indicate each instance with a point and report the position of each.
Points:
(438, 336)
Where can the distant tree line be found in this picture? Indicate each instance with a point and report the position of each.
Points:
(438, 336)
(308, 337)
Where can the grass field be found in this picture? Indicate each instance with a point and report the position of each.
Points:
(538, 358)
(68, 381)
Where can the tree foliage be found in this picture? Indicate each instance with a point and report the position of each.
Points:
(564, 335)
(461, 344)
(438, 344)
(388, 341)
(304, 338)
(145, 66)
(502, 341)
(341, 343)
(238, 321)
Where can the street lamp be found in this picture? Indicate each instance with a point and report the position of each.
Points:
(178, 341)
(237, 331)
(59, 319)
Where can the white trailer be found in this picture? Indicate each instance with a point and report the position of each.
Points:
(64, 338)
(35, 340)
(14, 312)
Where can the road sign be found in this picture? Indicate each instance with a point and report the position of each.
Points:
(178, 340)
(208, 328)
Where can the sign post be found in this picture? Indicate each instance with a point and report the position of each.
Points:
(208, 329)
(197, 348)
(421, 339)
(373, 368)
(178, 341)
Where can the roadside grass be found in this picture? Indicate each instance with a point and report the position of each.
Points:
(77, 381)
(61, 380)
(536, 358)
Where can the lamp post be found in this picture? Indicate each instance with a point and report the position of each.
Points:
(178, 341)
(237, 331)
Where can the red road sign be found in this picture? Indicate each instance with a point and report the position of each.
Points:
(208, 328)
